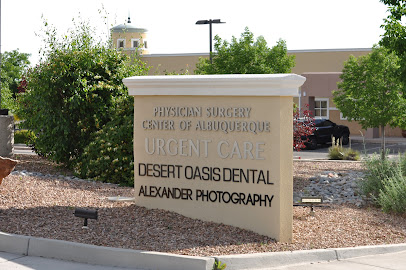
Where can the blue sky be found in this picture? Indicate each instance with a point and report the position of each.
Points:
(310, 24)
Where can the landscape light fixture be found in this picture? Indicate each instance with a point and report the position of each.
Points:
(210, 22)
(310, 201)
(86, 214)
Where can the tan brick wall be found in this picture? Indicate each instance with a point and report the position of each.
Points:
(323, 60)
(306, 60)
(354, 127)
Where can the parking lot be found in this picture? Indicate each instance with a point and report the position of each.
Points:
(394, 146)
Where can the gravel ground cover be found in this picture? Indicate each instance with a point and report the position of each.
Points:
(43, 207)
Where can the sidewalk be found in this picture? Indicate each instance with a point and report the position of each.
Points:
(22, 149)
(26, 252)
(389, 261)
(9, 261)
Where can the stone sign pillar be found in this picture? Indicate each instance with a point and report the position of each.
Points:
(217, 148)
(6, 135)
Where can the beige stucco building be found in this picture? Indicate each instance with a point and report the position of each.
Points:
(129, 38)
(322, 69)
(317, 92)
(329, 60)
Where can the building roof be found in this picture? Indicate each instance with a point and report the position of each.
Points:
(127, 28)
(331, 50)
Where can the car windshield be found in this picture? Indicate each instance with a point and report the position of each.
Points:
(319, 122)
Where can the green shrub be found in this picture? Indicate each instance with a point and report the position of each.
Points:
(7, 100)
(392, 196)
(402, 162)
(337, 152)
(109, 157)
(24, 136)
(73, 91)
(377, 170)
(351, 154)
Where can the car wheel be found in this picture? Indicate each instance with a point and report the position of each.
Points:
(312, 144)
(345, 138)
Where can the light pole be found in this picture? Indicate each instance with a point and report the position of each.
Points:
(210, 22)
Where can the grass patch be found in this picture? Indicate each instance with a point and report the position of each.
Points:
(338, 152)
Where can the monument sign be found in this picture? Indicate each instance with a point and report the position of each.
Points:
(217, 148)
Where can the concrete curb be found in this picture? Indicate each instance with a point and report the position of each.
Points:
(277, 259)
(348, 253)
(12, 243)
(84, 253)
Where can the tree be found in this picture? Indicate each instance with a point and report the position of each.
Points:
(247, 56)
(74, 91)
(394, 37)
(371, 92)
(13, 65)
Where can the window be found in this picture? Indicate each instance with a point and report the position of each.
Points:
(321, 108)
(135, 43)
(120, 43)
(138, 43)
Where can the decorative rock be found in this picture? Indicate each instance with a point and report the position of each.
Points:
(342, 182)
(6, 167)
(54, 176)
(335, 188)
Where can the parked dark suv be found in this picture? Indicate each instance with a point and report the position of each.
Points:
(325, 131)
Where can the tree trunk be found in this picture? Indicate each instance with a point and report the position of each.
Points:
(383, 146)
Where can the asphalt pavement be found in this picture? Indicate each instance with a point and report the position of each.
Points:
(366, 147)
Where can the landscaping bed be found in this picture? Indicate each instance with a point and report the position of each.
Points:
(43, 207)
